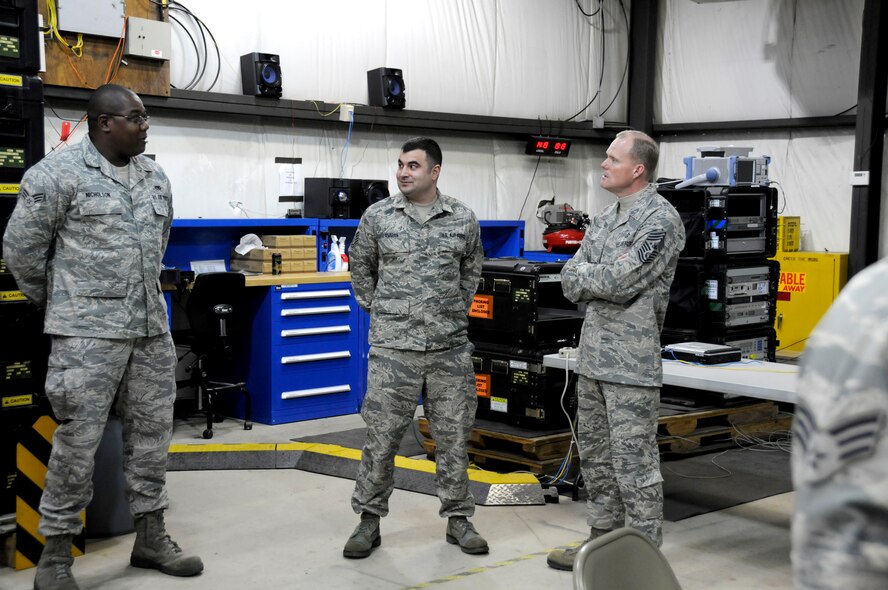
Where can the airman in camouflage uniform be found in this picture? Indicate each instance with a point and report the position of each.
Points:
(622, 272)
(86, 241)
(840, 442)
(415, 264)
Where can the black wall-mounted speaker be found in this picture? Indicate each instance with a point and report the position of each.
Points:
(327, 198)
(261, 74)
(385, 87)
(366, 192)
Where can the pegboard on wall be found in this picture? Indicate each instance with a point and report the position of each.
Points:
(98, 57)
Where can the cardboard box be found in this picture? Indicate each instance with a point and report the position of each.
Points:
(304, 253)
(261, 255)
(277, 241)
(260, 266)
(304, 265)
(304, 241)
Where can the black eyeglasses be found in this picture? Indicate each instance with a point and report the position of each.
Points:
(137, 118)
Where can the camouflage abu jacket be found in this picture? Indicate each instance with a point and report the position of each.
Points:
(623, 272)
(840, 442)
(88, 247)
(416, 280)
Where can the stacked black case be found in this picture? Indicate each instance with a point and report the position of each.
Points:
(520, 315)
(725, 286)
(23, 347)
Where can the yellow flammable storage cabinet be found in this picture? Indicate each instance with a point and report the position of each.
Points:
(809, 283)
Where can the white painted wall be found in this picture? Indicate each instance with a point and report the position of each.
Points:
(732, 60)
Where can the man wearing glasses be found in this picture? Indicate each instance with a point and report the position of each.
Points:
(85, 241)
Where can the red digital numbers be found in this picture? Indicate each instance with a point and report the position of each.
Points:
(541, 145)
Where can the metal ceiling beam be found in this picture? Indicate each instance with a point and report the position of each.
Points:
(869, 138)
(196, 104)
(733, 127)
(642, 61)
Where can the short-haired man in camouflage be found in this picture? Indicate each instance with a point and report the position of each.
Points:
(622, 272)
(840, 442)
(415, 264)
(86, 240)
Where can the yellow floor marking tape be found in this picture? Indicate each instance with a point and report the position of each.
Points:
(423, 465)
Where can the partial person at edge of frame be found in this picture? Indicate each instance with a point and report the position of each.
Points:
(840, 442)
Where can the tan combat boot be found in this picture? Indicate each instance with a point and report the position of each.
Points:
(54, 567)
(563, 559)
(365, 539)
(461, 532)
(154, 548)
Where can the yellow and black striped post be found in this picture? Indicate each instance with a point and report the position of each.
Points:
(32, 457)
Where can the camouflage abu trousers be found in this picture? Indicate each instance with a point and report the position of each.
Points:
(85, 375)
(617, 434)
(395, 379)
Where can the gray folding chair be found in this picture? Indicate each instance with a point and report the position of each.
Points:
(623, 559)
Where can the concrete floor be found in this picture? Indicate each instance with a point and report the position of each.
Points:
(279, 529)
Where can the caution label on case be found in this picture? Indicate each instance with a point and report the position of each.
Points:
(499, 404)
(482, 307)
(482, 385)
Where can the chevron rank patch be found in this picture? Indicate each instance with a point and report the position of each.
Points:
(648, 249)
(827, 450)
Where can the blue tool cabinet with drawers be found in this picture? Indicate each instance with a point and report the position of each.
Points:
(306, 353)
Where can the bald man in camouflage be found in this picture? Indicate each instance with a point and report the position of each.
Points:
(86, 240)
(415, 264)
(622, 272)
(840, 442)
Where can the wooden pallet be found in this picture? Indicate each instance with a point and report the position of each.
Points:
(538, 448)
(682, 432)
(507, 462)
(715, 437)
(686, 423)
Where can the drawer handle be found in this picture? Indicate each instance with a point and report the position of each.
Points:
(315, 331)
(320, 356)
(315, 391)
(316, 310)
(315, 294)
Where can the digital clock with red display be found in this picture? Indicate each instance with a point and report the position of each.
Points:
(541, 145)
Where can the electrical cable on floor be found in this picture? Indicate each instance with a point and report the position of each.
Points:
(563, 471)
(756, 444)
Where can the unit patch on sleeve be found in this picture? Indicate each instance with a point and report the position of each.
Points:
(827, 450)
(648, 249)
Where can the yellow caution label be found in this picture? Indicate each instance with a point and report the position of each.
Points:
(10, 80)
(18, 400)
(12, 296)
(9, 188)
